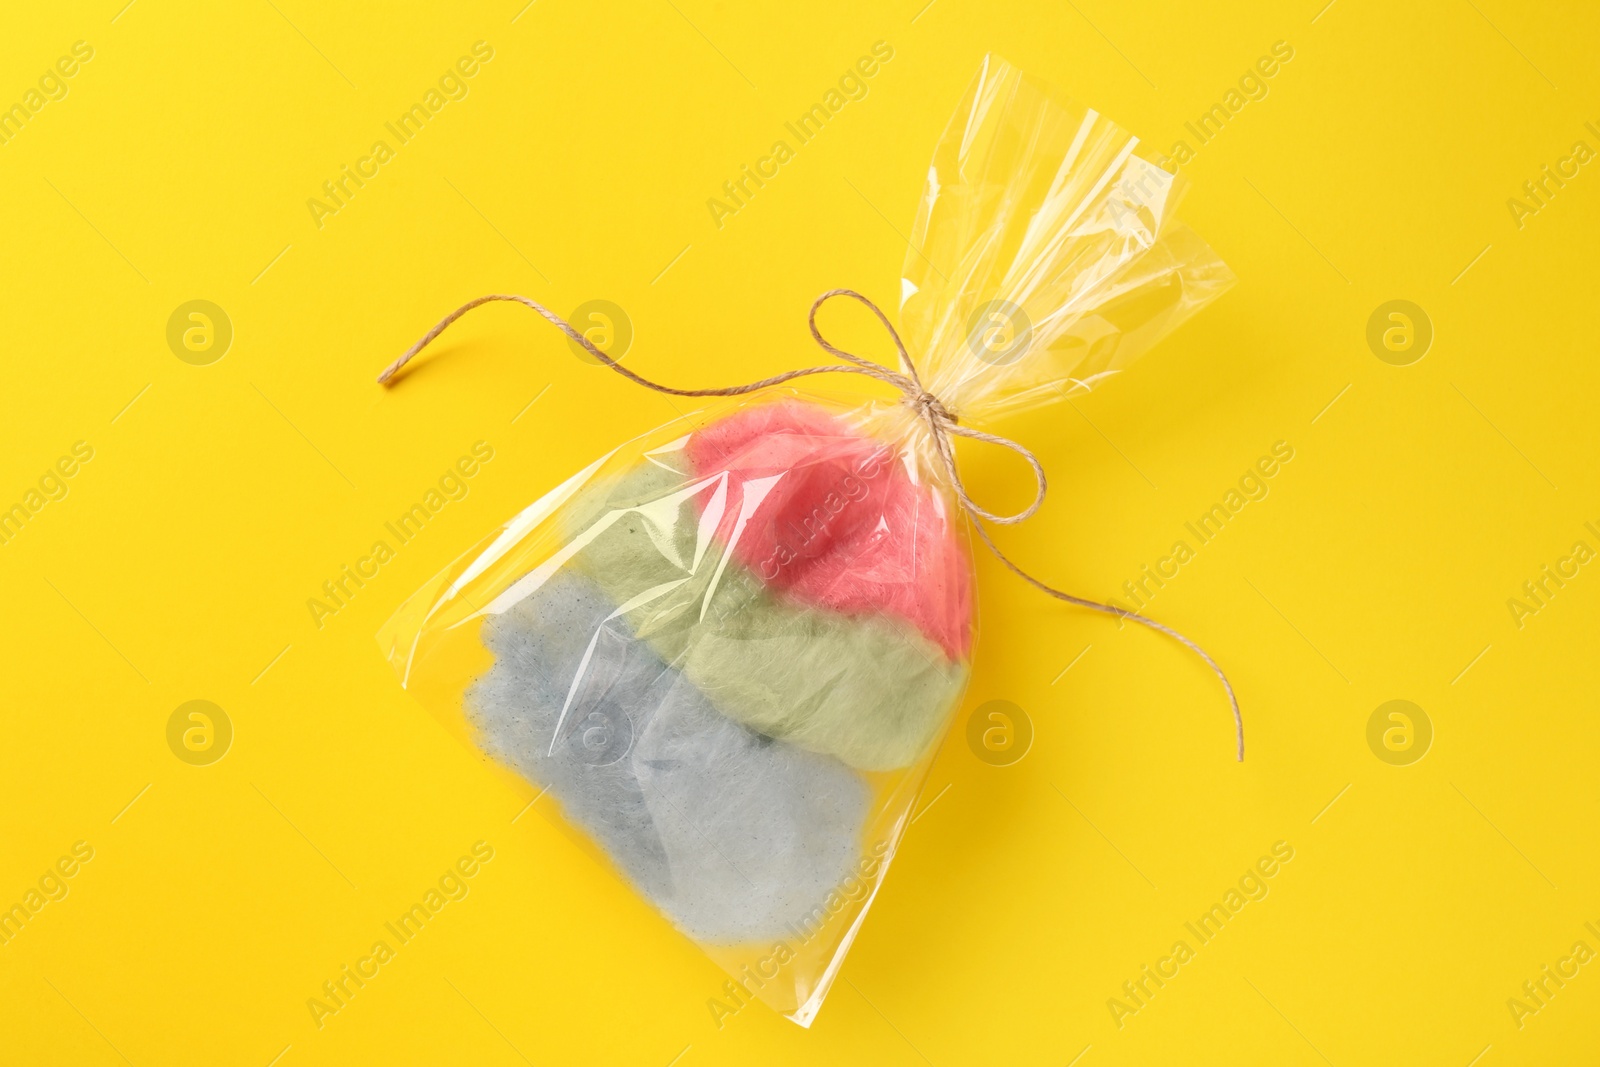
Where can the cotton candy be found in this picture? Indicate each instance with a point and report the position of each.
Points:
(840, 523)
(729, 651)
(868, 688)
(733, 835)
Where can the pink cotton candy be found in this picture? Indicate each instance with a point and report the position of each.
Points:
(837, 521)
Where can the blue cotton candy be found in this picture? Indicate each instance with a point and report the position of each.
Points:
(733, 835)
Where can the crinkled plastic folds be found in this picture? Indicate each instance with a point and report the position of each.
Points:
(729, 650)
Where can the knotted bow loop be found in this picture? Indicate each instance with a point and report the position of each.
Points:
(941, 422)
(907, 381)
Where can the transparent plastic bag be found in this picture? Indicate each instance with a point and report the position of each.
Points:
(729, 649)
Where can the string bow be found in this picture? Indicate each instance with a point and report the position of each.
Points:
(942, 424)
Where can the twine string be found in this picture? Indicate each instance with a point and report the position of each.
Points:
(942, 425)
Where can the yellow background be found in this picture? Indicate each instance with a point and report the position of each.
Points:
(179, 564)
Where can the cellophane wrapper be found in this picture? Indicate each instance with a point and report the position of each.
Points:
(727, 652)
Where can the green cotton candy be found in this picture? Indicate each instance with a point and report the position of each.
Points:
(871, 690)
